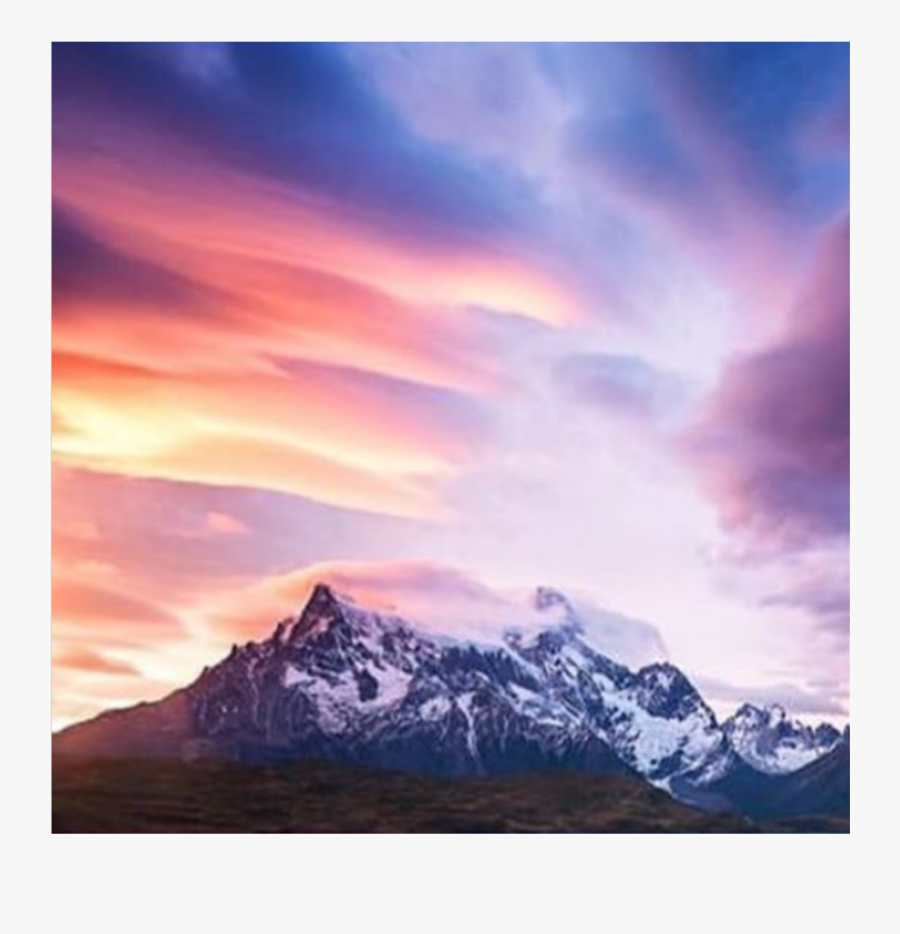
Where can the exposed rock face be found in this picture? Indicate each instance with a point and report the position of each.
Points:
(770, 741)
(346, 683)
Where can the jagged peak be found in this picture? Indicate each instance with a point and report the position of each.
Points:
(664, 672)
(748, 711)
(547, 597)
(322, 593)
(323, 607)
(281, 630)
(662, 667)
(770, 713)
(669, 679)
(775, 716)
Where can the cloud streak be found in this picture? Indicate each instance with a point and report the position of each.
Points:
(568, 309)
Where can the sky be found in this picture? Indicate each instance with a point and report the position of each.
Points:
(444, 323)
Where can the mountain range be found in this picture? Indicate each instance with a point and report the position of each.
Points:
(346, 683)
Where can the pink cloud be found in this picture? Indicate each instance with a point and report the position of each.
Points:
(224, 524)
(773, 444)
(442, 599)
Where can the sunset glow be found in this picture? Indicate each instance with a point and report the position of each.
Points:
(451, 320)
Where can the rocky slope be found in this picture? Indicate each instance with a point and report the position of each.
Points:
(345, 683)
(770, 741)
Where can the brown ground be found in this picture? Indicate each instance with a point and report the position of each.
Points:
(153, 796)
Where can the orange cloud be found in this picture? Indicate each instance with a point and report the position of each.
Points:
(224, 358)
(318, 433)
(107, 629)
(250, 612)
(237, 333)
(82, 603)
(193, 216)
(81, 658)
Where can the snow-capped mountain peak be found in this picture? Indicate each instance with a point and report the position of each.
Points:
(374, 688)
(346, 681)
(770, 741)
(321, 610)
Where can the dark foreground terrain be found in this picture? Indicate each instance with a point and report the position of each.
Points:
(107, 796)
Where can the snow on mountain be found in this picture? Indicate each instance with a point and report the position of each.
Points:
(443, 600)
(342, 679)
(770, 741)
(348, 682)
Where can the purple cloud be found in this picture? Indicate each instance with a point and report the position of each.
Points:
(774, 444)
(621, 383)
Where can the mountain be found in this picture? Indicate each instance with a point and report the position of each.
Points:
(821, 787)
(345, 683)
(770, 741)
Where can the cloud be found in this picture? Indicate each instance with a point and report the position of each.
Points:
(493, 101)
(88, 270)
(219, 318)
(264, 279)
(155, 534)
(705, 149)
(817, 582)
(621, 384)
(772, 448)
(335, 435)
(223, 524)
(278, 275)
(748, 105)
(642, 152)
(773, 445)
(296, 114)
(81, 658)
(82, 606)
(314, 288)
(797, 700)
(631, 641)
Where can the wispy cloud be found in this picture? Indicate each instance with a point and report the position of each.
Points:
(328, 306)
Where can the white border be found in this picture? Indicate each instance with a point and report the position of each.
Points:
(100, 884)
